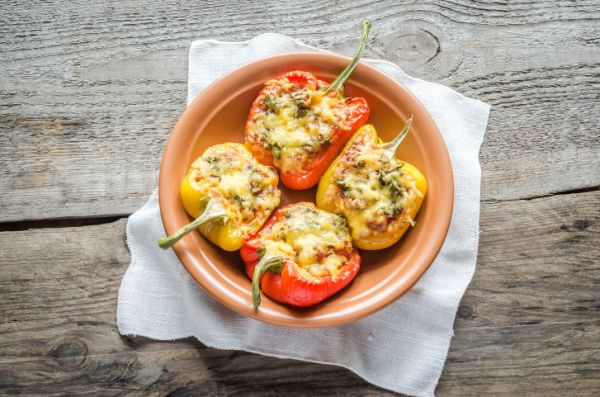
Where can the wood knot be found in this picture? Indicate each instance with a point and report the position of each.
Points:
(416, 45)
(69, 353)
(579, 225)
(465, 312)
(421, 48)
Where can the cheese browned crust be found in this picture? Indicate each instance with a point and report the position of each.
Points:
(246, 189)
(371, 190)
(317, 241)
(296, 123)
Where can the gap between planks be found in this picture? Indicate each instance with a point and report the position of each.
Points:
(53, 223)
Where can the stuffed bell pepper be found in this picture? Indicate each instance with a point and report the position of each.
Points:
(299, 123)
(378, 194)
(229, 193)
(301, 256)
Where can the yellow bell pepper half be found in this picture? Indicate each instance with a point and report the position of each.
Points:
(216, 231)
(229, 194)
(378, 194)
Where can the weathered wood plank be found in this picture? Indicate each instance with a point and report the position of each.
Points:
(89, 92)
(529, 322)
(539, 261)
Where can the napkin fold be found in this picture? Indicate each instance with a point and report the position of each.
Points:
(402, 347)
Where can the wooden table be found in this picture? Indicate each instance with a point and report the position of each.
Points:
(89, 92)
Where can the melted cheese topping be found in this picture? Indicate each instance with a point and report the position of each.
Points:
(316, 240)
(296, 123)
(246, 189)
(371, 190)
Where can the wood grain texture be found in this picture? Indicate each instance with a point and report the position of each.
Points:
(90, 91)
(529, 323)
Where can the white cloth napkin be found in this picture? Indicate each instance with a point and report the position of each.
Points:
(402, 347)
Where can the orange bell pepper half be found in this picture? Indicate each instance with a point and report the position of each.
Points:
(299, 123)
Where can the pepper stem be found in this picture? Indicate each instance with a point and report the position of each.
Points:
(339, 82)
(212, 211)
(390, 147)
(273, 264)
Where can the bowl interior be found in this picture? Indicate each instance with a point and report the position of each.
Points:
(219, 114)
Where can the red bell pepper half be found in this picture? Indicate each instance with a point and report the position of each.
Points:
(281, 279)
(301, 86)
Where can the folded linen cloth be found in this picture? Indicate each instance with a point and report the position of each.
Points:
(402, 347)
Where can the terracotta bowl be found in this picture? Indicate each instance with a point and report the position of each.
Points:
(219, 114)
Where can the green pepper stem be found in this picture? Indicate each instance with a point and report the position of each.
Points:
(339, 82)
(391, 147)
(266, 263)
(212, 211)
